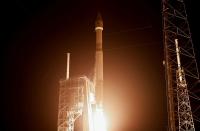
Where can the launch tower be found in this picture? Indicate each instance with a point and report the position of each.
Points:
(180, 68)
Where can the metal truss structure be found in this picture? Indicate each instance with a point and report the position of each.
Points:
(180, 67)
(74, 102)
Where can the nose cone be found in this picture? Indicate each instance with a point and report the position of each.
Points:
(99, 21)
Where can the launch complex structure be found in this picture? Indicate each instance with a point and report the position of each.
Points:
(181, 72)
(82, 96)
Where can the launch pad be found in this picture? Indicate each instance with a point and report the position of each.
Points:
(81, 96)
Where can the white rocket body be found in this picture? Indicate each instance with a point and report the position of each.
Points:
(99, 61)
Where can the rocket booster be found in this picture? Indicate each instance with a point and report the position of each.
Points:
(99, 61)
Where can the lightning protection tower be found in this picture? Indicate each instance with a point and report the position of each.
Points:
(180, 68)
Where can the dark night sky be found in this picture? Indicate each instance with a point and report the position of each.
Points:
(36, 34)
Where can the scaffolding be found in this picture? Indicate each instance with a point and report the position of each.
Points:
(74, 102)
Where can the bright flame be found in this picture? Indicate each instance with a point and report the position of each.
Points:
(100, 123)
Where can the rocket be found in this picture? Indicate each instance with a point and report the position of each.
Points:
(98, 75)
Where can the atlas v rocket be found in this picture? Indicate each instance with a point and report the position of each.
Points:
(98, 75)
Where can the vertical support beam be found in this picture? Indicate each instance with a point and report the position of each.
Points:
(68, 64)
